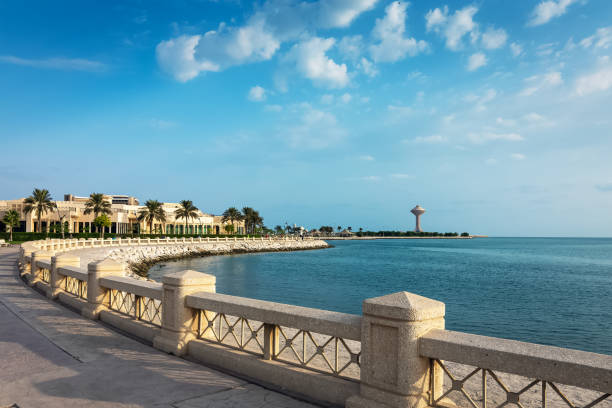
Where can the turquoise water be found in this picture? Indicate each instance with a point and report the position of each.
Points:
(555, 291)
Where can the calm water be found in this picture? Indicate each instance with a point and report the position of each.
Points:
(543, 290)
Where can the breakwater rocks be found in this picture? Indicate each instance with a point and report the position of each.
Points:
(141, 258)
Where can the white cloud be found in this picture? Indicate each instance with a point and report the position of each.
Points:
(346, 98)
(493, 39)
(432, 139)
(371, 178)
(399, 111)
(518, 156)
(275, 22)
(453, 27)
(537, 83)
(402, 176)
(273, 108)
(68, 64)
(480, 138)
(491, 162)
(601, 39)
(327, 99)
(177, 58)
(368, 67)
(389, 31)
(351, 46)
(476, 61)
(483, 99)
(547, 10)
(534, 117)
(517, 49)
(364, 99)
(316, 130)
(366, 158)
(596, 82)
(257, 94)
(311, 61)
(505, 122)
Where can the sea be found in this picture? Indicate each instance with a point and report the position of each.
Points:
(554, 291)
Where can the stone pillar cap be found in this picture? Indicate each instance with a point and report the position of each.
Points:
(404, 306)
(105, 265)
(188, 278)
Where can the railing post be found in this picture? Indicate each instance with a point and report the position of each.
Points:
(37, 256)
(270, 341)
(56, 279)
(393, 374)
(179, 321)
(97, 296)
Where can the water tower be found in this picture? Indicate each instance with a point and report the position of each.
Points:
(418, 211)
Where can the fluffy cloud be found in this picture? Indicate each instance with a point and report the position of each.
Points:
(453, 27)
(177, 58)
(366, 157)
(367, 67)
(476, 61)
(316, 130)
(391, 44)
(494, 38)
(517, 49)
(68, 64)
(257, 94)
(539, 82)
(480, 138)
(601, 39)
(311, 61)
(518, 156)
(547, 10)
(596, 82)
(259, 39)
(351, 46)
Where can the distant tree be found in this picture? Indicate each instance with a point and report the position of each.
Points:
(465, 234)
(278, 230)
(350, 228)
(229, 228)
(97, 205)
(63, 223)
(252, 219)
(11, 219)
(232, 215)
(360, 229)
(102, 221)
(40, 202)
(151, 212)
(186, 210)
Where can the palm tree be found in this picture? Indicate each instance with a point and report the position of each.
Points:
(40, 202)
(278, 229)
(11, 219)
(97, 205)
(186, 210)
(152, 211)
(252, 219)
(232, 214)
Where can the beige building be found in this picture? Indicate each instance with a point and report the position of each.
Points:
(124, 218)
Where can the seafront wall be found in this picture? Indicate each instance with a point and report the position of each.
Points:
(397, 354)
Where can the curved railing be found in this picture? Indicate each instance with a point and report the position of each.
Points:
(397, 354)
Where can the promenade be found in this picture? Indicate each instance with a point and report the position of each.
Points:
(52, 357)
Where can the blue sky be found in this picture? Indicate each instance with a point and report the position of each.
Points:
(493, 115)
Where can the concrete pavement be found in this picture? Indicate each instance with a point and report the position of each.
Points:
(52, 357)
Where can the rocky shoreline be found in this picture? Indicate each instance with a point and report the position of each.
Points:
(140, 258)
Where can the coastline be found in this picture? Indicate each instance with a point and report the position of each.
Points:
(140, 258)
(373, 238)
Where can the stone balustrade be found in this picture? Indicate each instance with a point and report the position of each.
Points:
(395, 355)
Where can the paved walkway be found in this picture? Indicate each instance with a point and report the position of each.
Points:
(52, 357)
